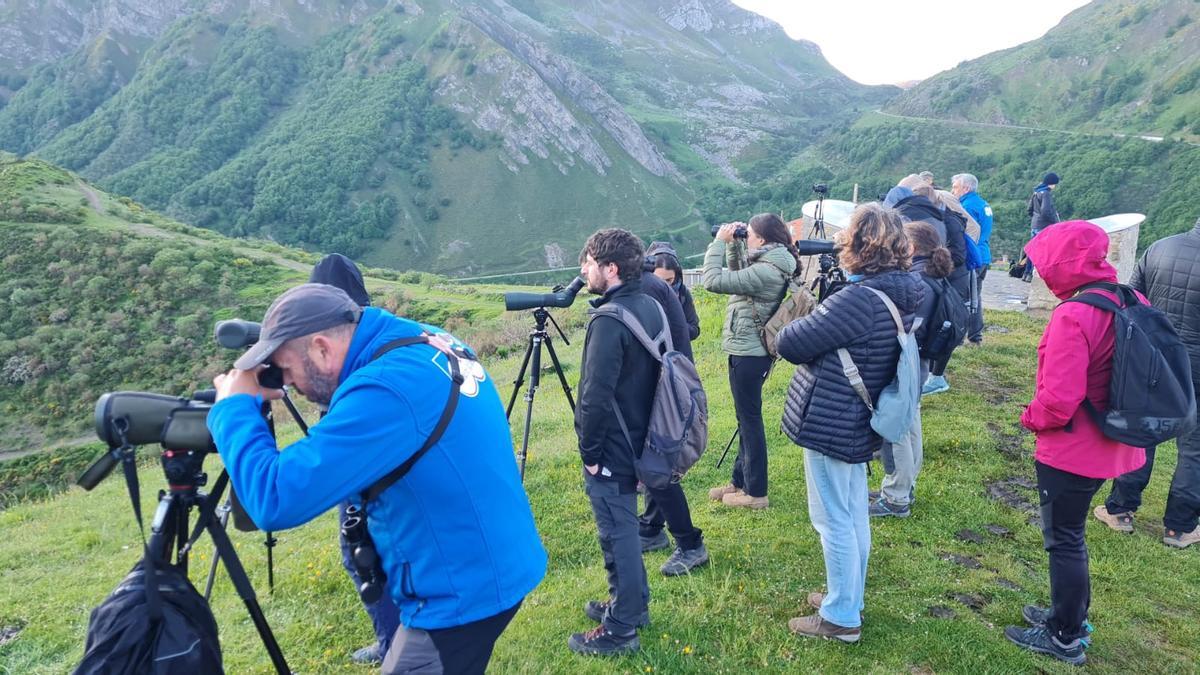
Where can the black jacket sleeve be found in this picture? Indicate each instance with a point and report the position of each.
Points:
(665, 295)
(955, 231)
(604, 346)
(689, 313)
(1138, 280)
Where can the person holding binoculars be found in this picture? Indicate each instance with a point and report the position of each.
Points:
(751, 263)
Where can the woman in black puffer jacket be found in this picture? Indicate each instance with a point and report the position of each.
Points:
(825, 415)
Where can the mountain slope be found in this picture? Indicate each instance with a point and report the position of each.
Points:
(453, 135)
(1130, 66)
(99, 294)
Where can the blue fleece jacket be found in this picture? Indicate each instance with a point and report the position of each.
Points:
(982, 213)
(456, 534)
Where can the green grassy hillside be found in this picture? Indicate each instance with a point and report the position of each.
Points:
(100, 294)
(942, 584)
(1113, 65)
(411, 134)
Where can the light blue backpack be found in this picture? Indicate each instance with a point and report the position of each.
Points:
(897, 406)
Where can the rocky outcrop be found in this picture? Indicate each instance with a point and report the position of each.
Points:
(569, 81)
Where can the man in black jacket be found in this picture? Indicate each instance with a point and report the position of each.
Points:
(1169, 276)
(619, 378)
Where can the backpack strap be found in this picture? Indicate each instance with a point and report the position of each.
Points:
(630, 320)
(850, 369)
(399, 472)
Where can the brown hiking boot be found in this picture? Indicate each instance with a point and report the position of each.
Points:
(815, 626)
(744, 500)
(1121, 522)
(1178, 539)
(717, 493)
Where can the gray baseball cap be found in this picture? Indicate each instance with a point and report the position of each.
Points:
(300, 311)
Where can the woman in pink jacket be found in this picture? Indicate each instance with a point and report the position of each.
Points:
(1073, 457)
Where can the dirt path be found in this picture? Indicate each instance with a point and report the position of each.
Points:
(1001, 291)
(993, 125)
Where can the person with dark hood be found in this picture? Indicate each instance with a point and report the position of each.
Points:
(668, 506)
(663, 261)
(337, 270)
(1073, 455)
(1042, 213)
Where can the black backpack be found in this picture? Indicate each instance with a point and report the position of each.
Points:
(1150, 396)
(948, 322)
(123, 637)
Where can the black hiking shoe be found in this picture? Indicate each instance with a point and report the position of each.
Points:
(684, 561)
(1038, 639)
(1034, 615)
(658, 542)
(599, 642)
(596, 609)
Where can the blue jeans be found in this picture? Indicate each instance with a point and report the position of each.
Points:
(837, 507)
(385, 617)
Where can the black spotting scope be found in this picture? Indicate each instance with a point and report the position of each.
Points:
(814, 247)
(561, 297)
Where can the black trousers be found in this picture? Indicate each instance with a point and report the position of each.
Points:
(1066, 499)
(615, 510)
(669, 505)
(462, 649)
(746, 377)
(1183, 502)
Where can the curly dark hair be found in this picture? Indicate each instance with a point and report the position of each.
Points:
(874, 242)
(621, 247)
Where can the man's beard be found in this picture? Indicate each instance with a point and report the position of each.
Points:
(320, 386)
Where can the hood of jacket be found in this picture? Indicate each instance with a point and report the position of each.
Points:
(1070, 255)
(660, 247)
(918, 207)
(775, 254)
(336, 269)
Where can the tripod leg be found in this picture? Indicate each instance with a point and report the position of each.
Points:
(535, 381)
(520, 378)
(728, 446)
(558, 369)
(222, 521)
(237, 574)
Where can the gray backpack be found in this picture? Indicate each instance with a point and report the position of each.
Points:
(897, 407)
(678, 429)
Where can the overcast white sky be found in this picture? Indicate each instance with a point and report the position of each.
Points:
(887, 42)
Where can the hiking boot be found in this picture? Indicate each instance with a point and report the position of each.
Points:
(1121, 522)
(599, 642)
(815, 626)
(881, 508)
(656, 543)
(1034, 615)
(367, 656)
(596, 609)
(1038, 639)
(1178, 539)
(744, 500)
(717, 493)
(936, 384)
(683, 561)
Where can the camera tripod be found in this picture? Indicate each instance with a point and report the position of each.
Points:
(817, 231)
(533, 355)
(169, 539)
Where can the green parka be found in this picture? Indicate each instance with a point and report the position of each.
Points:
(759, 277)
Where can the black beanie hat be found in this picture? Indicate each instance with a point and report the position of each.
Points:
(1050, 179)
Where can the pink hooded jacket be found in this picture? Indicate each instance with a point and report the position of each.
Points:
(1075, 357)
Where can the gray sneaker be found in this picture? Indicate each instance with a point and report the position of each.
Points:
(882, 508)
(658, 542)
(368, 655)
(684, 561)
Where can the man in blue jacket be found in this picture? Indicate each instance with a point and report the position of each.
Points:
(455, 535)
(965, 187)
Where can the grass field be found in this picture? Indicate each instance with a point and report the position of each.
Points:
(942, 583)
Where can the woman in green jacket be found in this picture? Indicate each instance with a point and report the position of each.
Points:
(752, 269)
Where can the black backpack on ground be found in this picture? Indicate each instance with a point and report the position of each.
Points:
(948, 322)
(123, 637)
(1150, 396)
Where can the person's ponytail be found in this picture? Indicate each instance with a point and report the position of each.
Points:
(940, 264)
